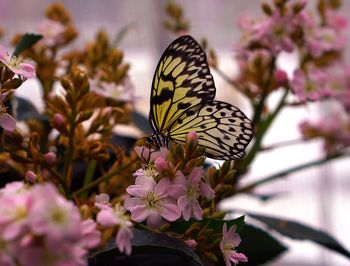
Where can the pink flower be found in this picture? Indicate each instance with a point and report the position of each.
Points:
(151, 201)
(310, 85)
(190, 188)
(324, 40)
(149, 155)
(121, 92)
(102, 201)
(14, 214)
(229, 241)
(335, 21)
(52, 215)
(39, 227)
(15, 65)
(7, 122)
(109, 217)
(52, 31)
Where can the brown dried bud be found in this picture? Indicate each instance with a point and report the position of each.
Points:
(266, 8)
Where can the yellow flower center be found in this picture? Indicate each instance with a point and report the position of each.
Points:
(58, 216)
(152, 199)
(2, 109)
(15, 62)
(192, 192)
(21, 213)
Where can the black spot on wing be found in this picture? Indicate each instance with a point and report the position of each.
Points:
(183, 106)
(165, 95)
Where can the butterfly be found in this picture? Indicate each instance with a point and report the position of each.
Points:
(182, 101)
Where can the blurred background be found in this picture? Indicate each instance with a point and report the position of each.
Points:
(318, 197)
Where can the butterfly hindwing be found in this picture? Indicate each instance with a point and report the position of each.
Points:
(222, 128)
(182, 80)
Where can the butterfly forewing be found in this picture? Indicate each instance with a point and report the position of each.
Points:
(222, 128)
(182, 80)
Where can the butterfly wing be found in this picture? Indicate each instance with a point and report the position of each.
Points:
(182, 80)
(222, 128)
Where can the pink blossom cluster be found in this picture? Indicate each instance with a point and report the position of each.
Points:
(292, 27)
(154, 198)
(39, 227)
(334, 129)
(277, 29)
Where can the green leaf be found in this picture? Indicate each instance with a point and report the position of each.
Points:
(259, 246)
(27, 41)
(151, 243)
(298, 231)
(214, 224)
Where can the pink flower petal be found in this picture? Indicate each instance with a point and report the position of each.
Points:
(207, 191)
(180, 178)
(123, 240)
(27, 70)
(162, 187)
(7, 122)
(139, 213)
(132, 202)
(196, 175)
(182, 202)
(147, 183)
(137, 191)
(106, 218)
(170, 212)
(197, 210)
(239, 257)
(153, 219)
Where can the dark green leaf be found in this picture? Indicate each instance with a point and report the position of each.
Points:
(141, 122)
(154, 245)
(214, 224)
(27, 41)
(26, 110)
(259, 246)
(300, 231)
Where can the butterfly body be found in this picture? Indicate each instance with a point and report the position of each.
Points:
(182, 100)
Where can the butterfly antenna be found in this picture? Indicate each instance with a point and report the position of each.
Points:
(119, 150)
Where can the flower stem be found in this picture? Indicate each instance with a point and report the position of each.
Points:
(90, 171)
(261, 133)
(106, 176)
(289, 171)
(283, 144)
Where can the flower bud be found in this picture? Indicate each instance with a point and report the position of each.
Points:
(58, 119)
(191, 243)
(50, 158)
(192, 137)
(281, 77)
(161, 164)
(30, 177)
